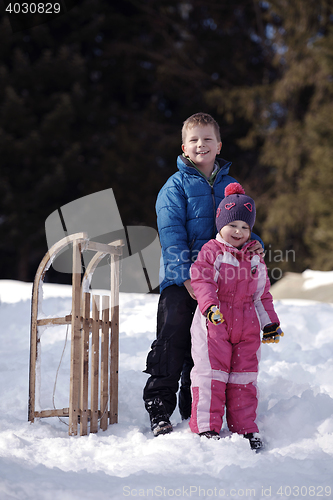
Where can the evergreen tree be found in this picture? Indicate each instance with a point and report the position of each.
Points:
(290, 127)
(96, 98)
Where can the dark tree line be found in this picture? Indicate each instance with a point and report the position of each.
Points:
(96, 98)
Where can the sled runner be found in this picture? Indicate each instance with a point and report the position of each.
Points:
(91, 315)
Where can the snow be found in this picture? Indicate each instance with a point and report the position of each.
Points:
(40, 461)
(314, 279)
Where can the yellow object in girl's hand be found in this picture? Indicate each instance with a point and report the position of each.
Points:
(214, 315)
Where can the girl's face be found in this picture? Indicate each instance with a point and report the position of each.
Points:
(236, 233)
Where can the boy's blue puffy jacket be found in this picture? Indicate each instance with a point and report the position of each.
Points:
(186, 207)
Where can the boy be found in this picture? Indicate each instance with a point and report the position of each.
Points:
(186, 207)
(232, 289)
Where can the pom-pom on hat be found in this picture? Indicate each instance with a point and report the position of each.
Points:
(235, 206)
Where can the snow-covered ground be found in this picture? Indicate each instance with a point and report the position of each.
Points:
(40, 461)
(314, 279)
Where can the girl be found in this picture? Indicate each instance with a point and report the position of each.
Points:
(232, 289)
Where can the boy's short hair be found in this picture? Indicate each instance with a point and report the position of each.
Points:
(200, 119)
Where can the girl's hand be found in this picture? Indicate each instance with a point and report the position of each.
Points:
(214, 315)
(272, 334)
(256, 248)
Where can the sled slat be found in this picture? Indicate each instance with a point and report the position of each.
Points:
(55, 321)
(33, 361)
(84, 366)
(75, 342)
(65, 321)
(64, 412)
(114, 345)
(105, 363)
(94, 364)
(103, 248)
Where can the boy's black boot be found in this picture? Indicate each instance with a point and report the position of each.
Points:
(159, 419)
(255, 442)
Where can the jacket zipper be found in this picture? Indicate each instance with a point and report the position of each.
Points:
(214, 210)
(212, 193)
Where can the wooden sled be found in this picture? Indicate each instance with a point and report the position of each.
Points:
(85, 319)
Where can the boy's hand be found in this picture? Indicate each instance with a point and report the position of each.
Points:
(189, 288)
(214, 315)
(256, 248)
(272, 334)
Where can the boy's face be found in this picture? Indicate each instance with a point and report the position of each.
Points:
(236, 233)
(202, 146)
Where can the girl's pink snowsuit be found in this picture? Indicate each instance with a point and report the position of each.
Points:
(226, 355)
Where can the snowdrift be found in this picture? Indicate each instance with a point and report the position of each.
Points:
(40, 461)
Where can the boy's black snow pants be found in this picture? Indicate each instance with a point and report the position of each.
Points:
(170, 356)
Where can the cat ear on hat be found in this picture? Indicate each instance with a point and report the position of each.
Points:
(248, 206)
